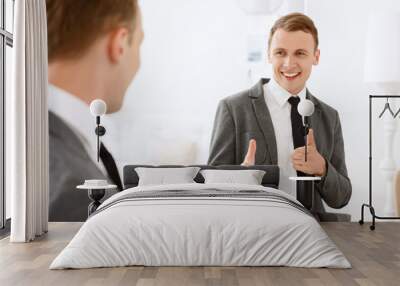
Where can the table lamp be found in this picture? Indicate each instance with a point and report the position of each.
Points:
(305, 109)
(98, 108)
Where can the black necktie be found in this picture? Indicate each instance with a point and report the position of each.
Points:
(297, 123)
(302, 188)
(110, 166)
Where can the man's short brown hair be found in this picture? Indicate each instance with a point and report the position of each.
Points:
(74, 25)
(294, 22)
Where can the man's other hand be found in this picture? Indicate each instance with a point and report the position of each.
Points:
(250, 158)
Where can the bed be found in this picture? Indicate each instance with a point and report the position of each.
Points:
(201, 224)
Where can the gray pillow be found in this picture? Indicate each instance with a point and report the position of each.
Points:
(165, 176)
(248, 177)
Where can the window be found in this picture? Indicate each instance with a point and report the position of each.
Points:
(6, 44)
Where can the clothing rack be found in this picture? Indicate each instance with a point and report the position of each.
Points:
(370, 204)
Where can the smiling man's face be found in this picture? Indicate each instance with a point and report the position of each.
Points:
(292, 55)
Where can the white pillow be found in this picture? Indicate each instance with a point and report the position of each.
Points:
(165, 176)
(248, 177)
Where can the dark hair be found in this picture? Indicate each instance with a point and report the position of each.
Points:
(295, 22)
(74, 25)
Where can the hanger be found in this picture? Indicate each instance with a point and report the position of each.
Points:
(398, 111)
(387, 107)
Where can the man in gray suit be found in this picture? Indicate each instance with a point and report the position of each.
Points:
(262, 125)
(93, 52)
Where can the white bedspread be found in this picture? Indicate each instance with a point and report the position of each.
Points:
(200, 231)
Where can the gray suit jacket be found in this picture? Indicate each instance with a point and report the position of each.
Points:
(245, 115)
(70, 165)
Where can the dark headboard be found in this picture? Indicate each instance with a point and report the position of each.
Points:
(270, 179)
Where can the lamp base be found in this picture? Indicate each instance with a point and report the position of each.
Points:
(305, 192)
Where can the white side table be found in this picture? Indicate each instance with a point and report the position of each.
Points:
(308, 179)
(95, 193)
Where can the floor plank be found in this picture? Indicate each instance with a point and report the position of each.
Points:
(374, 255)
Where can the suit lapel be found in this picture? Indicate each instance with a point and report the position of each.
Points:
(264, 121)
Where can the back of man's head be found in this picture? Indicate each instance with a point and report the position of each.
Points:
(94, 48)
(74, 25)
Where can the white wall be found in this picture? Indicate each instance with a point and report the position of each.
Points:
(338, 80)
(194, 54)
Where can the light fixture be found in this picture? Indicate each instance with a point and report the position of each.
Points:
(305, 109)
(98, 108)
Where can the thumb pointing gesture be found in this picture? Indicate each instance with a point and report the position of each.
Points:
(310, 138)
(250, 158)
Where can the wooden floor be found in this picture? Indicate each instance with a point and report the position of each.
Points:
(374, 255)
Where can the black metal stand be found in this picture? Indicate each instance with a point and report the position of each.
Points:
(370, 205)
(303, 190)
(95, 195)
(100, 131)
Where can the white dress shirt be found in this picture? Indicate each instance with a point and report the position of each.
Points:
(76, 115)
(276, 99)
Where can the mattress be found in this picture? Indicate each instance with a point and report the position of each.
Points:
(201, 225)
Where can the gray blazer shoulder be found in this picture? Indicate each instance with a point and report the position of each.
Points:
(70, 165)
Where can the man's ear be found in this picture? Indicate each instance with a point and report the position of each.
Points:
(316, 57)
(117, 44)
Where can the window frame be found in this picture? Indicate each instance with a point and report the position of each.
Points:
(6, 39)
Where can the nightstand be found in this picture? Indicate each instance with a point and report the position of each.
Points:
(95, 193)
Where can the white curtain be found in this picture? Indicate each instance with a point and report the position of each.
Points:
(27, 124)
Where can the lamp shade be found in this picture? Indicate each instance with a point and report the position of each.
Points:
(98, 107)
(382, 57)
(305, 107)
